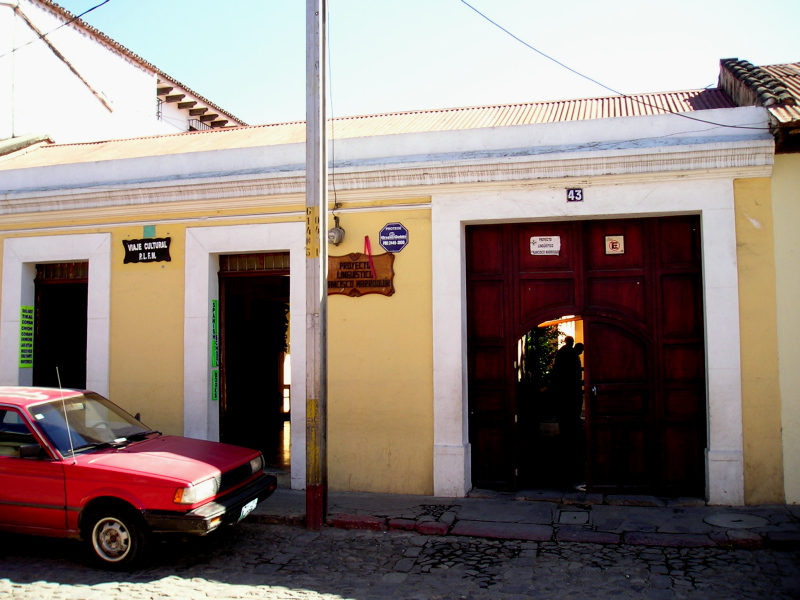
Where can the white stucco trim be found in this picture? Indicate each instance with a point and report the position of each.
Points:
(20, 256)
(712, 199)
(621, 146)
(203, 247)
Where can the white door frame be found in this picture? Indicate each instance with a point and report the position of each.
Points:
(203, 247)
(20, 257)
(712, 199)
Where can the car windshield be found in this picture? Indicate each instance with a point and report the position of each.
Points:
(81, 423)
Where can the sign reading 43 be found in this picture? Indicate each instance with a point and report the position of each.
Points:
(574, 195)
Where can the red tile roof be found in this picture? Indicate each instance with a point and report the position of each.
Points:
(449, 119)
(789, 76)
(775, 87)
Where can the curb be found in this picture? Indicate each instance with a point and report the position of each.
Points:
(746, 540)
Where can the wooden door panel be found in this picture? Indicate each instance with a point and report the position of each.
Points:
(616, 356)
(536, 296)
(491, 386)
(485, 251)
(679, 243)
(682, 472)
(619, 406)
(683, 404)
(615, 460)
(683, 362)
(681, 313)
(632, 233)
(487, 402)
(616, 401)
(491, 466)
(488, 365)
(622, 295)
(486, 300)
(567, 233)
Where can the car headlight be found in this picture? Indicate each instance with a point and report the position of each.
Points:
(257, 464)
(197, 493)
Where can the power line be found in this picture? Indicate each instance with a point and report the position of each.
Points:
(42, 36)
(602, 85)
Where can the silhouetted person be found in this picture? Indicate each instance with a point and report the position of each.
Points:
(568, 388)
(561, 366)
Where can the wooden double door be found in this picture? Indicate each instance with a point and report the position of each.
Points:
(636, 284)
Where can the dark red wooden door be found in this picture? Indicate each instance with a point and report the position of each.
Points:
(492, 401)
(637, 285)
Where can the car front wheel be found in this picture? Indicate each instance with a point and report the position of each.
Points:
(116, 537)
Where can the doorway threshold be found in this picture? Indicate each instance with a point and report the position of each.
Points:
(577, 498)
(284, 476)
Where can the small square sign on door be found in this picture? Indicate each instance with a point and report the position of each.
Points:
(615, 244)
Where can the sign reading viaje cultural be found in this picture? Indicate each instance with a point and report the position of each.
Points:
(147, 250)
(357, 274)
(393, 237)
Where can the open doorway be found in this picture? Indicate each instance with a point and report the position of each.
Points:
(552, 418)
(59, 345)
(255, 390)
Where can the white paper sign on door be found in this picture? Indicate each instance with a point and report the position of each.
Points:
(546, 246)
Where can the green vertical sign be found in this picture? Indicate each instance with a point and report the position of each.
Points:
(215, 333)
(214, 350)
(26, 337)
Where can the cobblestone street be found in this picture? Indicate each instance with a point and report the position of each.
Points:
(278, 561)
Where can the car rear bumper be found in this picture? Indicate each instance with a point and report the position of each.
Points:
(222, 511)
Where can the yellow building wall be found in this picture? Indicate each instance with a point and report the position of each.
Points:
(380, 348)
(146, 346)
(380, 370)
(146, 354)
(761, 399)
(147, 299)
(786, 208)
(147, 316)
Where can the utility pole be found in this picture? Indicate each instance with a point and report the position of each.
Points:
(316, 267)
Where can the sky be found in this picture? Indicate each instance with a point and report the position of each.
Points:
(248, 56)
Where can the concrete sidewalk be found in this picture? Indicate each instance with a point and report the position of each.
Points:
(551, 516)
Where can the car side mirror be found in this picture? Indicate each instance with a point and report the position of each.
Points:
(31, 451)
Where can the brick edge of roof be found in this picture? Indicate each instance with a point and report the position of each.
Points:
(769, 89)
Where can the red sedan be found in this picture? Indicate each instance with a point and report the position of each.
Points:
(73, 464)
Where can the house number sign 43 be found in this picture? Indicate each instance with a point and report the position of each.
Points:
(574, 195)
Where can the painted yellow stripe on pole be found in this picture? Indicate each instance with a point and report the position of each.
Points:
(312, 232)
(313, 446)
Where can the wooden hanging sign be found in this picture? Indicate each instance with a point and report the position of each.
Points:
(358, 274)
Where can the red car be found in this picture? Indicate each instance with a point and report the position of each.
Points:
(73, 464)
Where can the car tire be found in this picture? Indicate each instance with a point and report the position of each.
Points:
(116, 537)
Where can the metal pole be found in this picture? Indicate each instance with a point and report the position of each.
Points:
(316, 267)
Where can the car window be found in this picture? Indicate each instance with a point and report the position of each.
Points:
(14, 432)
(83, 423)
(51, 421)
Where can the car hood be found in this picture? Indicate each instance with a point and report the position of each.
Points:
(172, 457)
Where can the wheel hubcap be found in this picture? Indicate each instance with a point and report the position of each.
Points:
(111, 539)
